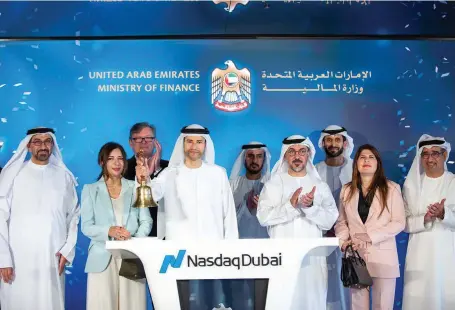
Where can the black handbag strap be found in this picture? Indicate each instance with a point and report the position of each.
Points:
(356, 254)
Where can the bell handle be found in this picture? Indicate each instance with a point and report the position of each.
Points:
(141, 157)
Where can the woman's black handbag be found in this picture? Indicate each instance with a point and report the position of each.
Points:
(354, 272)
(132, 269)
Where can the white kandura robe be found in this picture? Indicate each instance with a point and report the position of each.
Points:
(248, 224)
(106, 289)
(429, 277)
(285, 221)
(38, 219)
(199, 203)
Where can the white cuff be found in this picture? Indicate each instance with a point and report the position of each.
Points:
(294, 211)
(68, 253)
(309, 211)
(428, 225)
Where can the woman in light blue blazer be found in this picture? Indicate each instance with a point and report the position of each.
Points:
(107, 214)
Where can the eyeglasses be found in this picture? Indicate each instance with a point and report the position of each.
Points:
(301, 152)
(142, 139)
(39, 143)
(434, 155)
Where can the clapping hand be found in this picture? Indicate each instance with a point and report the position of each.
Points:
(428, 217)
(295, 197)
(436, 210)
(156, 158)
(307, 199)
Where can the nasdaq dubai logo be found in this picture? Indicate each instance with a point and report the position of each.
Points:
(231, 4)
(171, 260)
(238, 262)
(241, 261)
(231, 88)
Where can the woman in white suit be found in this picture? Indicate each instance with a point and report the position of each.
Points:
(107, 214)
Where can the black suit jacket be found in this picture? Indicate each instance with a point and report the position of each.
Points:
(130, 174)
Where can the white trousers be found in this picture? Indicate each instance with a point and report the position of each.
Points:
(108, 291)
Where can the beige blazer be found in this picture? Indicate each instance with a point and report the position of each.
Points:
(381, 256)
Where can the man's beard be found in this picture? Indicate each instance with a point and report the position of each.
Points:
(295, 168)
(330, 154)
(253, 169)
(43, 155)
(193, 155)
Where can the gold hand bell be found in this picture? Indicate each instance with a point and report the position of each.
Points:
(144, 194)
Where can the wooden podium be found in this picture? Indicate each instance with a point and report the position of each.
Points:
(167, 261)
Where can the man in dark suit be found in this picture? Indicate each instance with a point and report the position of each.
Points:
(143, 137)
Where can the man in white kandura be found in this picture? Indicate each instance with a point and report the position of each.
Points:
(39, 214)
(198, 203)
(246, 186)
(429, 195)
(296, 203)
(336, 171)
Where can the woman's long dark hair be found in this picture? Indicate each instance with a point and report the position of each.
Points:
(379, 182)
(103, 156)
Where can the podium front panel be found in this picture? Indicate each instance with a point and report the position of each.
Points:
(179, 271)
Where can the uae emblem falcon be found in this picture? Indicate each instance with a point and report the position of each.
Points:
(231, 3)
(231, 88)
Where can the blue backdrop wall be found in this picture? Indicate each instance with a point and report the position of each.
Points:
(385, 92)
